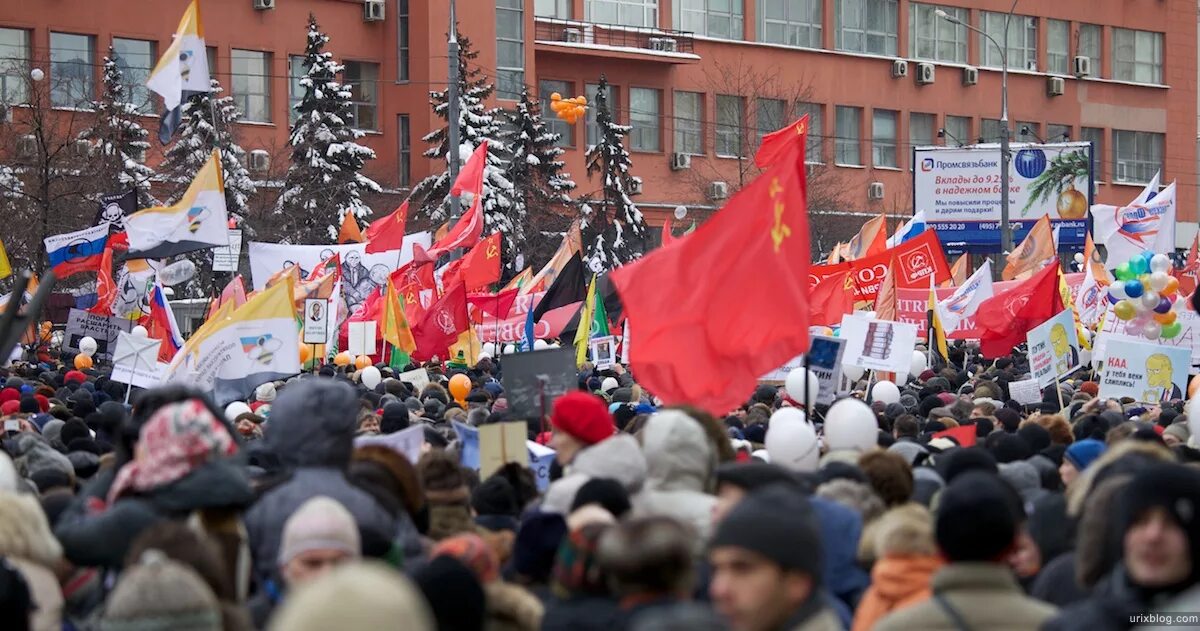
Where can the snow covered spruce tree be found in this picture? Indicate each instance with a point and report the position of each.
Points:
(540, 187)
(119, 140)
(476, 123)
(324, 181)
(613, 228)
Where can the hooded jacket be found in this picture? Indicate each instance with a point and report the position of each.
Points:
(312, 435)
(985, 595)
(680, 465)
(619, 458)
(26, 542)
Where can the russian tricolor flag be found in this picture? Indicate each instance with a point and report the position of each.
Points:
(160, 325)
(76, 252)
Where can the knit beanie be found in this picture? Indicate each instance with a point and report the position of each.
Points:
(976, 520)
(159, 594)
(779, 523)
(265, 392)
(582, 416)
(1009, 419)
(1036, 436)
(321, 523)
(1011, 448)
(963, 459)
(1083, 453)
(606, 492)
(1174, 488)
(537, 544)
(395, 418)
(454, 594)
(495, 504)
(367, 595)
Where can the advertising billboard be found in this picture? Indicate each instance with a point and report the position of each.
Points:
(959, 190)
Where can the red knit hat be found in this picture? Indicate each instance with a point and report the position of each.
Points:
(1090, 387)
(75, 376)
(9, 394)
(583, 416)
(10, 407)
(43, 402)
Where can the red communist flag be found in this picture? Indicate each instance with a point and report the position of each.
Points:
(471, 172)
(388, 233)
(481, 266)
(1005, 318)
(830, 299)
(441, 324)
(106, 289)
(777, 144)
(964, 434)
(691, 340)
(497, 304)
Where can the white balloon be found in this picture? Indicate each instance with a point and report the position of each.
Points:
(885, 391)
(37, 74)
(177, 272)
(1085, 357)
(792, 442)
(917, 364)
(680, 212)
(540, 345)
(797, 383)
(139, 331)
(1152, 330)
(1158, 280)
(1117, 290)
(87, 345)
(485, 355)
(1079, 258)
(370, 376)
(509, 349)
(1149, 300)
(236, 409)
(489, 348)
(1160, 263)
(853, 373)
(850, 424)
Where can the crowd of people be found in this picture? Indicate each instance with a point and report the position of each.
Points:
(174, 514)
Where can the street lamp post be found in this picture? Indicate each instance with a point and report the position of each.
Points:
(1005, 154)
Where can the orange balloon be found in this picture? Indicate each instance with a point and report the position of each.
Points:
(557, 106)
(1193, 385)
(305, 353)
(82, 362)
(1171, 288)
(582, 100)
(460, 387)
(362, 361)
(342, 358)
(555, 96)
(1165, 318)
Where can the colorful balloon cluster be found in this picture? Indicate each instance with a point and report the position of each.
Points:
(571, 110)
(1146, 296)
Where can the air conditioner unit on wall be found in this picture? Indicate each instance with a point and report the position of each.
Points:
(572, 35)
(1055, 86)
(373, 10)
(718, 190)
(81, 149)
(27, 147)
(875, 191)
(263, 5)
(665, 44)
(635, 185)
(260, 161)
(925, 73)
(899, 68)
(1082, 66)
(970, 76)
(680, 161)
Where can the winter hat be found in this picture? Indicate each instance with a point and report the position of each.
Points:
(72, 430)
(582, 416)
(909, 450)
(86, 464)
(1009, 419)
(367, 595)
(321, 523)
(1024, 479)
(1011, 448)
(52, 430)
(959, 460)
(756, 433)
(29, 405)
(454, 594)
(608, 385)
(1036, 436)
(74, 376)
(159, 594)
(236, 409)
(841, 471)
(1083, 453)
(765, 394)
(750, 476)
(495, 504)
(926, 484)
(9, 408)
(1179, 431)
(1173, 487)
(605, 492)
(473, 552)
(36, 455)
(1090, 387)
(265, 392)
(779, 523)
(976, 519)
(893, 410)
(395, 418)
(536, 545)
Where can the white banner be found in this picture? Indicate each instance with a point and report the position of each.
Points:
(225, 259)
(878, 344)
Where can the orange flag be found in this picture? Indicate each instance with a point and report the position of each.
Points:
(959, 271)
(1033, 253)
(1092, 257)
(106, 288)
(481, 266)
(871, 239)
(395, 324)
(1189, 275)
(520, 280)
(350, 232)
(234, 292)
(885, 298)
(776, 144)
(388, 233)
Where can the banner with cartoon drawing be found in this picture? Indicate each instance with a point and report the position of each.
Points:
(1148, 373)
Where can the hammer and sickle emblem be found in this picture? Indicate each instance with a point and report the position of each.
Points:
(802, 128)
(781, 230)
(492, 251)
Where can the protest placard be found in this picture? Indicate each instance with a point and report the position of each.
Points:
(225, 259)
(1025, 392)
(406, 442)
(316, 321)
(419, 378)
(533, 380)
(604, 351)
(541, 458)
(1148, 373)
(878, 344)
(500, 444)
(361, 337)
(1053, 348)
(135, 361)
(103, 329)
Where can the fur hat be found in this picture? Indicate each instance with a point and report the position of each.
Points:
(161, 594)
(366, 595)
(976, 518)
(904, 530)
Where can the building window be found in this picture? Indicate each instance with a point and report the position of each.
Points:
(1057, 133)
(1137, 156)
(402, 40)
(867, 26)
(624, 12)
(403, 135)
(363, 77)
(72, 65)
(296, 71)
(14, 65)
(921, 130)
(729, 125)
(644, 109)
(689, 123)
(883, 138)
(932, 37)
(554, 124)
(770, 115)
(1095, 135)
(251, 79)
(510, 49)
(990, 130)
(210, 52)
(135, 57)
(711, 18)
(846, 147)
(1029, 131)
(1137, 56)
(1021, 42)
(1088, 45)
(613, 95)
(815, 151)
(1058, 46)
(958, 130)
(790, 22)
(552, 9)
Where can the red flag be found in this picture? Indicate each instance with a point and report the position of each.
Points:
(414, 273)
(830, 299)
(106, 288)
(441, 325)
(464, 234)
(666, 232)
(481, 266)
(414, 311)
(235, 291)
(350, 232)
(914, 260)
(776, 144)
(1005, 318)
(689, 342)
(1189, 275)
(388, 233)
(964, 434)
(452, 274)
(498, 304)
(472, 171)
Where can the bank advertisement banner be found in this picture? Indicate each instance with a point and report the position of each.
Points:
(959, 190)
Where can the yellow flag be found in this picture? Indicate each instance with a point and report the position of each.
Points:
(395, 325)
(584, 333)
(5, 266)
(469, 345)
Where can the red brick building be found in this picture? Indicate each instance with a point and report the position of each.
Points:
(698, 80)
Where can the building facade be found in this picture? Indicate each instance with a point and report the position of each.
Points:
(698, 81)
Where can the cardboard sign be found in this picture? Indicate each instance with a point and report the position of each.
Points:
(541, 458)
(1025, 392)
(419, 378)
(225, 259)
(316, 321)
(103, 329)
(878, 344)
(361, 338)
(500, 444)
(604, 351)
(406, 442)
(468, 445)
(1148, 373)
(533, 380)
(135, 361)
(1053, 348)
(825, 361)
